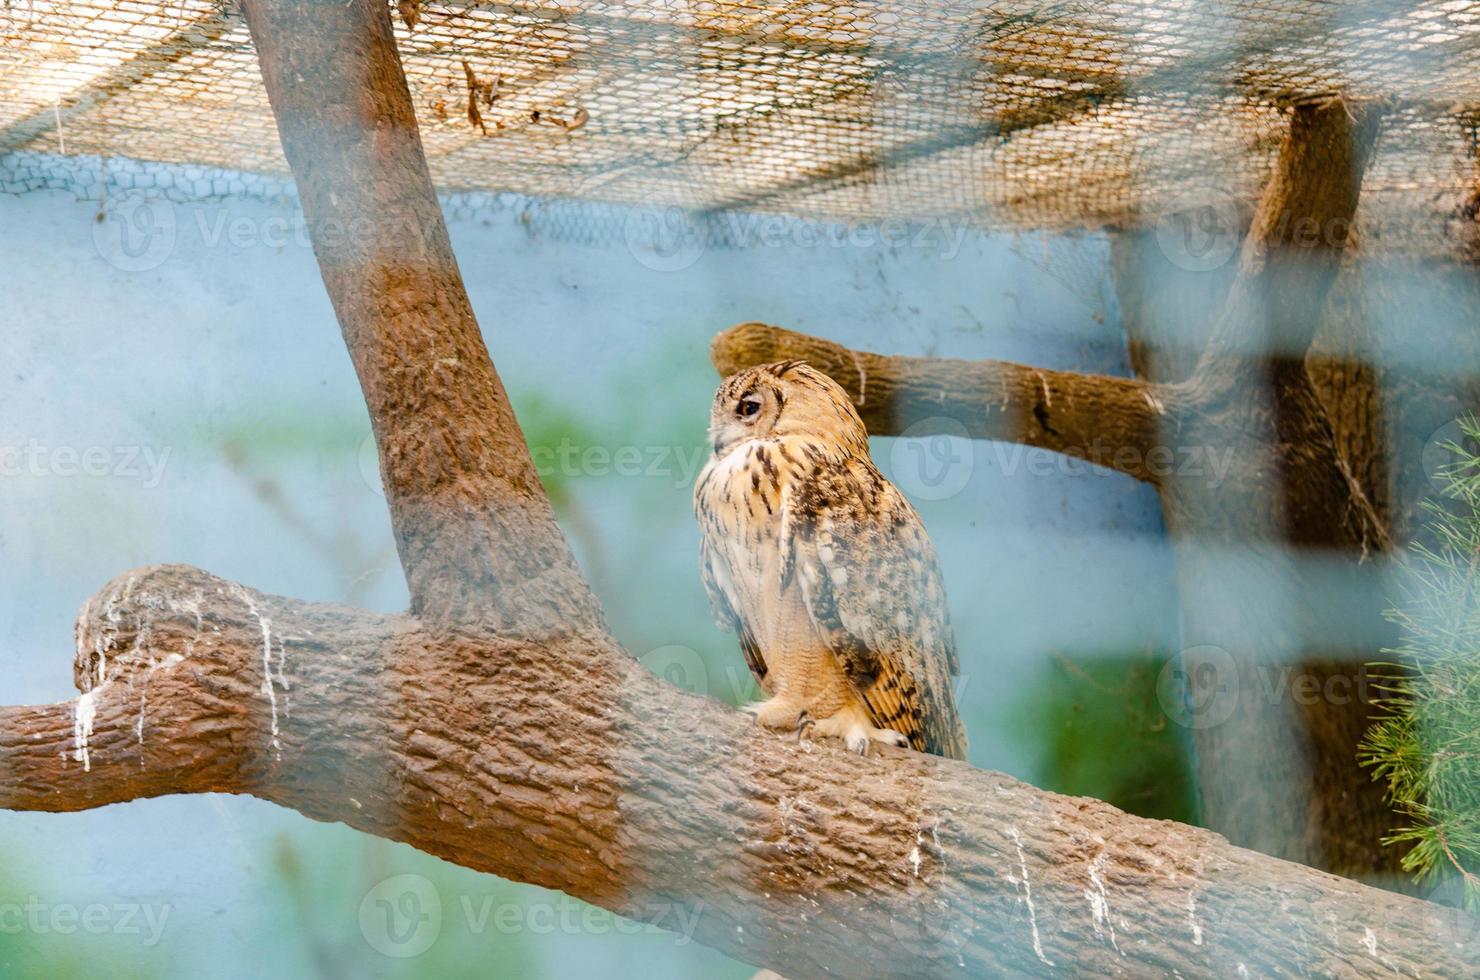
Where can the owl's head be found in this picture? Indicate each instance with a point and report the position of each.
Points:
(787, 398)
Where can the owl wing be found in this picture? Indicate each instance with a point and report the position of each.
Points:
(873, 589)
(715, 572)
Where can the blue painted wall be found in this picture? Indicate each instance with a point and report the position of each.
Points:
(207, 378)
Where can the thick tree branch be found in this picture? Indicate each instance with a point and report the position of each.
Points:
(566, 764)
(475, 531)
(1112, 422)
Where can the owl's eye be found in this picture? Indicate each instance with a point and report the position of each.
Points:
(749, 406)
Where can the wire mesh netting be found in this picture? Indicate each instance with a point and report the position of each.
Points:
(1018, 113)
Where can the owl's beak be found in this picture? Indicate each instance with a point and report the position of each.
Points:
(723, 435)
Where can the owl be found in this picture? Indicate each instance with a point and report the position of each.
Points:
(822, 568)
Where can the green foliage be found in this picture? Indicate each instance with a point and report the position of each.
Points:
(1427, 743)
(1106, 735)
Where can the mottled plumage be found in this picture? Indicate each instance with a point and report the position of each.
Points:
(822, 568)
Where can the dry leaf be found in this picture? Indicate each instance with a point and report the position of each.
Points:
(474, 116)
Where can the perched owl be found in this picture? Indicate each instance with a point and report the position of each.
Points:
(822, 568)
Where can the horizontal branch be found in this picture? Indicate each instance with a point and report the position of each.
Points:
(1112, 422)
(568, 765)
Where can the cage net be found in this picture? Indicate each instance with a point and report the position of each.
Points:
(1022, 114)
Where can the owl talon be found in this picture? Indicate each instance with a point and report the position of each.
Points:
(804, 722)
(776, 714)
(890, 737)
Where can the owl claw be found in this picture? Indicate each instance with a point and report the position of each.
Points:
(803, 723)
(776, 714)
(890, 737)
(859, 740)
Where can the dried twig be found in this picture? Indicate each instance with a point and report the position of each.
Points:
(474, 116)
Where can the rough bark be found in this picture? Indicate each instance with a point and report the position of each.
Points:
(474, 529)
(565, 763)
(1351, 382)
